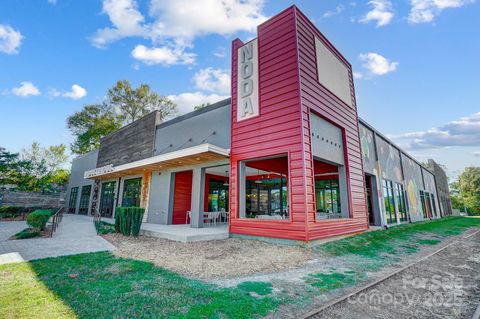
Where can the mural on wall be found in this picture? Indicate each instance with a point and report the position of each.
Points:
(389, 158)
(414, 183)
(368, 149)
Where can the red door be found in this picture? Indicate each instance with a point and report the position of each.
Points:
(182, 198)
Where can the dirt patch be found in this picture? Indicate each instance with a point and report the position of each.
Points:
(228, 258)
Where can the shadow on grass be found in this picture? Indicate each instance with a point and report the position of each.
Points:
(100, 285)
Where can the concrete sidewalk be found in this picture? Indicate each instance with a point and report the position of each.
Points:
(75, 235)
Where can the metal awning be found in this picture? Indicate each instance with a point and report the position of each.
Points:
(188, 156)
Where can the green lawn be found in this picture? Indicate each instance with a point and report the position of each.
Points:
(100, 285)
(108, 287)
(406, 238)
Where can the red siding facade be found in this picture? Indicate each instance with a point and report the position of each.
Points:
(288, 90)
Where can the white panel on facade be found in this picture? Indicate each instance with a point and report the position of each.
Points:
(332, 73)
(327, 140)
(247, 81)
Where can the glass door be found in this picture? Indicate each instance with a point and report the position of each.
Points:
(107, 199)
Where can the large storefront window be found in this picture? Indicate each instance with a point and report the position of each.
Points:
(434, 205)
(424, 207)
(107, 197)
(401, 202)
(217, 195)
(85, 199)
(131, 192)
(327, 195)
(72, 202)
(389, 202)
(266, 188)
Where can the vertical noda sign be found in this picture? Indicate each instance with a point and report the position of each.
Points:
(247, 73)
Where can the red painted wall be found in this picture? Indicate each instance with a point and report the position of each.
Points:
(182, 198)
(288, 89)
(321, 101)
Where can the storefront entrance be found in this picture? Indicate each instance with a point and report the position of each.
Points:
(182, 197)
(107, 199)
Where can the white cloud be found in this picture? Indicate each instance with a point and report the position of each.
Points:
(357, 75)
(476, 153)
(339, 9)
(213, 80)
(10, 39)
(382, 13)
(187, 101)
(220, 52)
(163, 55)
(76, 93)
(126, 20)
(462, 132)
(26, 89)
(183, 20)
(52, 2)
(174, 24)
(377, 64)
(423, 11)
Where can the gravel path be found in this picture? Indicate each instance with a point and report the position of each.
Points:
(445, 285)
(212, 259)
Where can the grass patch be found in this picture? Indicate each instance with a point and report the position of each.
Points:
(329, 281)
(27, 233)
(100, 285)
(258, 287)
(376, 244)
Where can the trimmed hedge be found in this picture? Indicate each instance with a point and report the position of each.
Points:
(27, 233)
(128, 220)
(10, 211)
(39, 218)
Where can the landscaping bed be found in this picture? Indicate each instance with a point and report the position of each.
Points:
(212, 259)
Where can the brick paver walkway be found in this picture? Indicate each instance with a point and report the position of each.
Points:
(75, 235)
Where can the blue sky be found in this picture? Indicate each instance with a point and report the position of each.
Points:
(416, 62)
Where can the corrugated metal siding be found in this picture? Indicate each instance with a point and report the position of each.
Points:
(278, 128)
(322, 102)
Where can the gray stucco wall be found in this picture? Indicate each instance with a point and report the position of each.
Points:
(327, 140)
(208, 125)
(79, 166)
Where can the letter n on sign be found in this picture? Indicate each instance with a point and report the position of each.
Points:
(247, 79)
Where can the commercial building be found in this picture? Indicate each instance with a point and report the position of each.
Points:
(286, 157)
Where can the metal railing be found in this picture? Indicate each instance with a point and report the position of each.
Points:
(56, 219)
(97, 220)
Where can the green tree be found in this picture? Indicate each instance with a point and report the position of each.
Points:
(201, 106)
(13, 171)
(123, 105)
(133, 103)
(465, 192)
(90, 125)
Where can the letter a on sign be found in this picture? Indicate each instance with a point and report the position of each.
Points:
(247, 81)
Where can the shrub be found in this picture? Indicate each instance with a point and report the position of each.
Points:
(27, 233)
(10, 211)
(104, 228)
(39, 218)
(128, 220)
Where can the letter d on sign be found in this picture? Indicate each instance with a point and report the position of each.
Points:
(247, 81)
